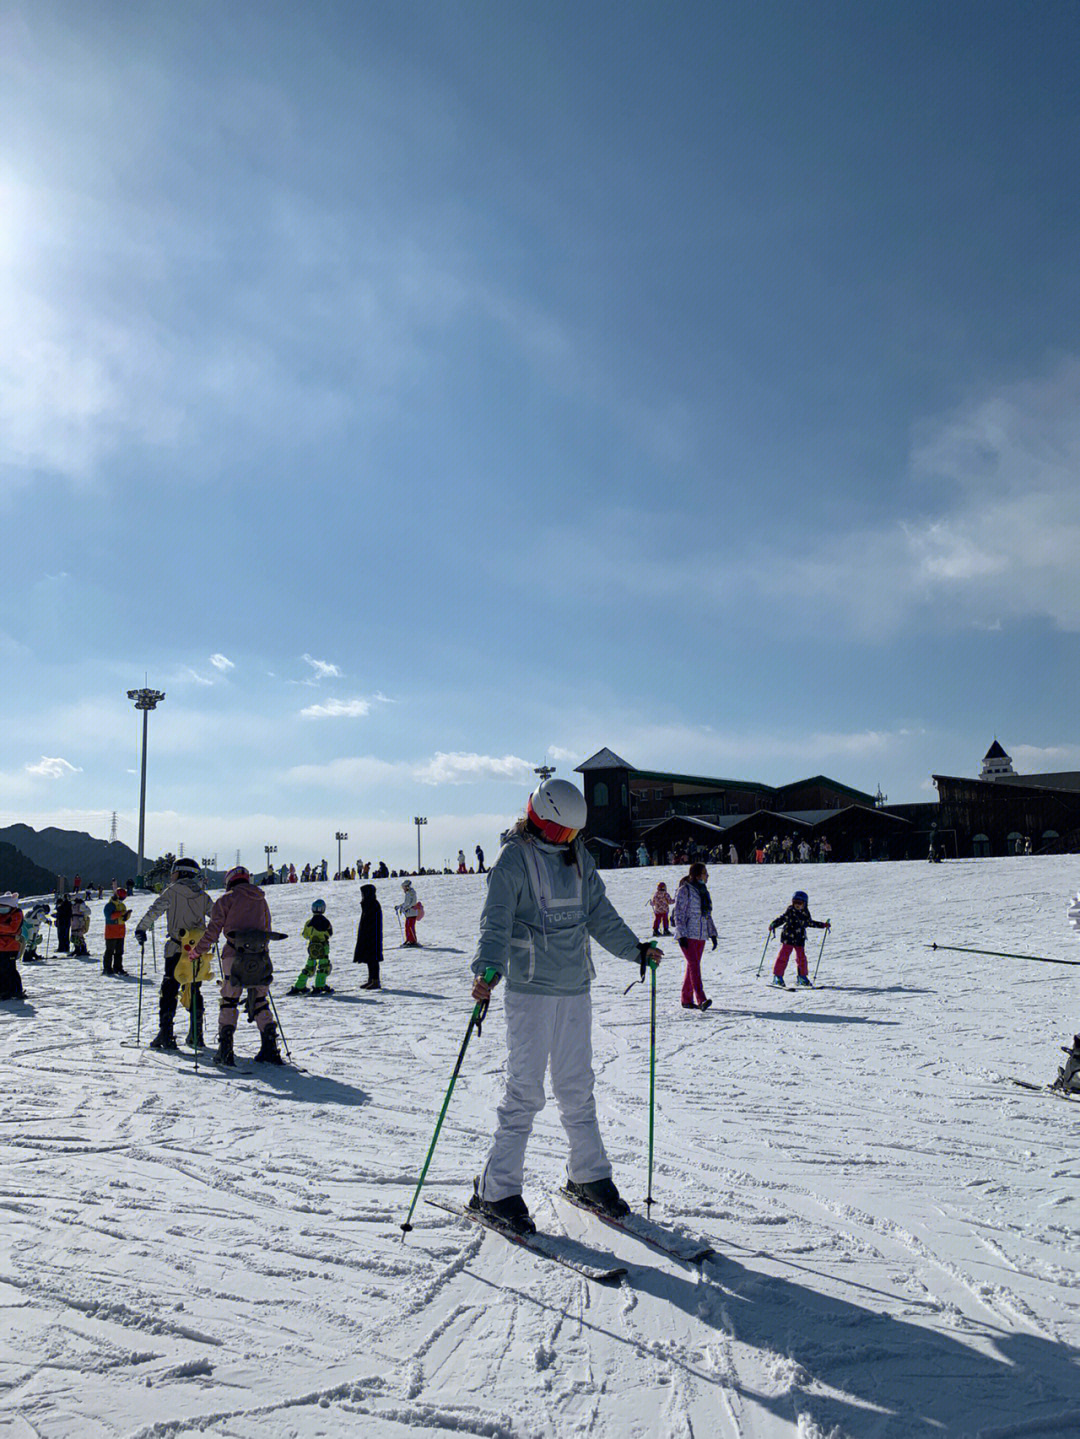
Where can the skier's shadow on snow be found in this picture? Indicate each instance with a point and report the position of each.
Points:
(17, 1008)
(412, 993)
(874, 989)
(310, 1088)
(878, 1362)
(806, 1016)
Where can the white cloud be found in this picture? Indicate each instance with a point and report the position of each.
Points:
(461, 768)
(1045, 759)
(195, 677)
(53, 768)
(322, 669)
(221, 663)
(564, 756)
(332, 709)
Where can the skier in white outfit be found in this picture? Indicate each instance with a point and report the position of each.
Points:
(545, 901)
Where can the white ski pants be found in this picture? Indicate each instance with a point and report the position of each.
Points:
(541, 1029)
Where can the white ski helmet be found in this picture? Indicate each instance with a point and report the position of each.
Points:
(558, 810)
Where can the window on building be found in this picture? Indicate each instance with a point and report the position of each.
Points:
(980, 846)
(600, 795)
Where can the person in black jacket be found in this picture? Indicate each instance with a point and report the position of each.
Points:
(63, 924)
(369, 936)
(793, 924)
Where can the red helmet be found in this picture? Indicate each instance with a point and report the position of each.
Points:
(237, 875)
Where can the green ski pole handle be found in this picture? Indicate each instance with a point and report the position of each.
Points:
(824, 936)
(476, 1020)
(765, 950)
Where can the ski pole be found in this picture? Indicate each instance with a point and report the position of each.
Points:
(761, 966)
(998, 954)
(280, 1031)
(476, 1020)
(824, 934)
(138, 1018)
(48, 937)
(652, 1088)
(153, 946)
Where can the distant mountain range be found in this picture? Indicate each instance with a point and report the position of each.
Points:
(70, 853)
(22, 875)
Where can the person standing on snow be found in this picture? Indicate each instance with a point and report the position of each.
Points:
(462, 867)
(410, 910)
(660, 904)
(186, 906)
(11, 920)
(117, 915)
(793, 924)
(480, 861)
(63, 924)
(694, 925)
(317, 932)
(80, 925)
(243, 916)
(369, 939)
(30, 933)
(545, 901)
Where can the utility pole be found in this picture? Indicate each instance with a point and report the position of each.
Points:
(339, 835)
(145, 700)
(418, 822)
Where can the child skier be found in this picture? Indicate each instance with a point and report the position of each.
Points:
(660, 903)
(80, 925)
(186, 906)
(694, 925)
(369, 936)
(544, 902)
(410, 910)
(317, 932)
(30, 933)
(793, 924)
(11, 919)
(117, 915)
(243, 916)
(1068, 1076)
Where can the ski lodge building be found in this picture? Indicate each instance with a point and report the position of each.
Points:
(972, 817)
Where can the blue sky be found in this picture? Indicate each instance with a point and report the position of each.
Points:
(420, 392)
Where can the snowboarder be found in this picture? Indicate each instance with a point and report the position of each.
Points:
(11, 919)
(544, 902)
(660, 904)
(694, 925)
(117, 915)
(369, 939)
(317, 932)
(63, 924)
(243, 916)
(410, 910)
(80, 925)
(186, 906)
(793, 924)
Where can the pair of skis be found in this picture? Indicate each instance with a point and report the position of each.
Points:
(1046, 1089)
(570, 1255)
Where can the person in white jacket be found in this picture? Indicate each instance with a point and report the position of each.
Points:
(410, 910)
(186, 907)
(545, 902)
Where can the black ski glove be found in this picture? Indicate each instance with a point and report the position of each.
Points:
(714, 941)
(646, 956)
(140, 935)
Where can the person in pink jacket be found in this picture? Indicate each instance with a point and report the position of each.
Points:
(243, 916)
(660, 904)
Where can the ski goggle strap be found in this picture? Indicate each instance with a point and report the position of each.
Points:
(552, 832)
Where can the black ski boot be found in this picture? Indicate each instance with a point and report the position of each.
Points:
(511, 1213)
(1068, 1076)
(195, 1024)
(164, 1039)
(268, 1051)
(601, 1195)
(223, 1055)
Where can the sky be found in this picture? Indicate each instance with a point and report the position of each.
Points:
(420, 393)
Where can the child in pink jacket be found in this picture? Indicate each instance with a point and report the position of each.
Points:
(660, 904)
(243, 916)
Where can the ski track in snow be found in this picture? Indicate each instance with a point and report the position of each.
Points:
(895, 1224)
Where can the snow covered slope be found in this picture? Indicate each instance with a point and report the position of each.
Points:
(896, 1224)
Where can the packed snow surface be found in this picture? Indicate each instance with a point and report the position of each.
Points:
(895, 1222)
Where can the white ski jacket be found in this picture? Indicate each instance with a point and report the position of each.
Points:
(539, 915)
(185, 905)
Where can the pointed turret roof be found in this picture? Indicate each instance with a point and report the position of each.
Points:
(995, 752)
(603, 759)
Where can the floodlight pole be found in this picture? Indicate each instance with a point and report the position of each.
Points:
(270, 849)
(339, 835)
(545, 771)
(418, 821)
(145, 700)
